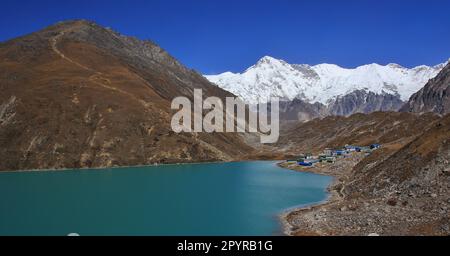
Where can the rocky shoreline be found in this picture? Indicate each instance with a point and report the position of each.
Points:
(337, 170)
(355, 214)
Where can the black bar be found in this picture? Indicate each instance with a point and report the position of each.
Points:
(260, 245)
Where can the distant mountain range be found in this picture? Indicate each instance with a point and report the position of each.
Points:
(321, 83)
(332, 90)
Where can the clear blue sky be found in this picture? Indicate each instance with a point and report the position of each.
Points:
(213, 36)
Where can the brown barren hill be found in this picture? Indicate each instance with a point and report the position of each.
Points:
(401, 189)
(388, 128)
(421, 167)
(79, 95)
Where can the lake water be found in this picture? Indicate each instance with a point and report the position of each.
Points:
(242, 198)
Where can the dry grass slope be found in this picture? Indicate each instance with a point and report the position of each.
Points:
(79, 95)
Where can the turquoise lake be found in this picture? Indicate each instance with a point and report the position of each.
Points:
(241, 198)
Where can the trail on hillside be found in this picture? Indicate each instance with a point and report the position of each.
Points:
(98, 77)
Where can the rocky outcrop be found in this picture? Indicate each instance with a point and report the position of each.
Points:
(433, 97)
(79, 95)
(361, 101)
(7, 112)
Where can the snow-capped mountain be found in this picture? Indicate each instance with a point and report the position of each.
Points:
(322, 83)
(433, 97)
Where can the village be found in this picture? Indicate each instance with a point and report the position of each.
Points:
(331, 155)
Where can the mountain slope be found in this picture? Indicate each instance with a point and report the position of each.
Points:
(400, 189)
(361, 101)
(360, 129)
(433, 97)
(420, 161)
(358, 101)
(79, 95)
(299, 110)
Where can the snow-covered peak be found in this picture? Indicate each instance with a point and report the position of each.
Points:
(268, 59)
(268, 62)
(395, 65)
(271, 77)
